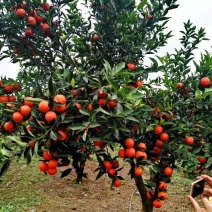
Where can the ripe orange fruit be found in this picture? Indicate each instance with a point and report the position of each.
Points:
(31, 143)
(38, 18)
(131, 66)
(141, 146)
(189, 140)
(25, 110)
(12, 98)
(139, 154)
(59, 98)
(63, 136)
(79, 106)
(117, 182)
(130, 152)
(31, 21)
(16, 87)
(29, 128)
(29, 103)
(158, 130)
(44, 106)
(202, 159)
(162, 186)
(115, 164)
(112, 104)
(164, 137)
(50, 115)
(121, 153)
(4, 99)
(45, 28)
(129, 143)
(74, 92)
(159, 143)
(95, 37)
(20, 13)
(111, 172)
(168, 171)
(53, 164)
(89, 107)
(17, 117)
(52, 171)
(102, 102)
(98, 143)
(157, 203)
(162, 195)
(8, 88)
(24, 5)
(138, 84)
(150, 194)
(179, 85)
(107, 165)
(102, 95)
(9, 126)
(138, 171)
(170, 116)
(60, 108)
(43, 167)
(46, 6)
(47, 156)
(156, 150)
(205, 82)
(29, 32)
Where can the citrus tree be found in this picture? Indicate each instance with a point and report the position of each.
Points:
(83, 89)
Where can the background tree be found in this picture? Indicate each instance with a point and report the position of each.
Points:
(84, 89)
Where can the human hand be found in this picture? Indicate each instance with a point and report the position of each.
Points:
(207, 190)
(207, 204)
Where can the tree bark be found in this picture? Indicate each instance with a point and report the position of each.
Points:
(147, 205)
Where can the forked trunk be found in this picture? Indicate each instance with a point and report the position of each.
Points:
(147, 205)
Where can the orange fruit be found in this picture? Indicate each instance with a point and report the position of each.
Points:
(138, 171)
(130, 152)
(102, 95)
(46, 6)
(179, 85)
(95, 37)
(205, 82)
(138, 84)
(164, 137)
(89, 107)
(102, 102)
(150, 194)
(50, 115)
(74, 92)
(43, 167)
(29, 128)
(139, 154)
(141, 146)
(20, 13)
(25, 110)
(159, 143)
(47, 155)
(9, 126)
(60, 108)
(4, 99)
(156, 150)
(12, 98)
(112, 104)
(158, 130)
(53, 164)
(52, 171)
(16, 87)
(162, 186)
(162, 195)
(44, 106)
(8, 88)
(117, 182)
(107, 165)
(189, 140)
(129, 143)
(168, 171)
(202, 159)
(45, 28)
(121, 153)
(59, 98)
(63, 136)
(28, 103)
(157, 203)
(17, 117)
(170, 116)
(79, 106)
(31, 21)
(111, 172)
(131, 66)
(115, 164)
(98, 143)
(29, 32)
(38, 18)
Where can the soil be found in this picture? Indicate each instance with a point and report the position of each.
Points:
(56, 194)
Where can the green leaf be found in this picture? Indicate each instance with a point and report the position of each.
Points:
(102, 110)
(142, 4)
(52, 88)
(131, 118)
(65, 173)
(73, 82)
(127, 112)
(94, 124)
(5, 167)
(66, 73)
(107, 67)
(113, 84)
(77, 127)
(84, 112)
(118, 67)
(18, 141)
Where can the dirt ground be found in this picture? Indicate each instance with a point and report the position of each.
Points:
(55, 194)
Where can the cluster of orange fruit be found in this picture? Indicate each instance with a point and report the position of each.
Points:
(7, 92)
(32, 19)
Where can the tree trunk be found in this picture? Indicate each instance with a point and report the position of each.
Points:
(147, 205)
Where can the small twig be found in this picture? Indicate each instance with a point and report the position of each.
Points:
(131, 199)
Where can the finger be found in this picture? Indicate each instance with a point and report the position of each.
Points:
(207, 179)
(208, 191)
(207, 204)
(194, 203)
